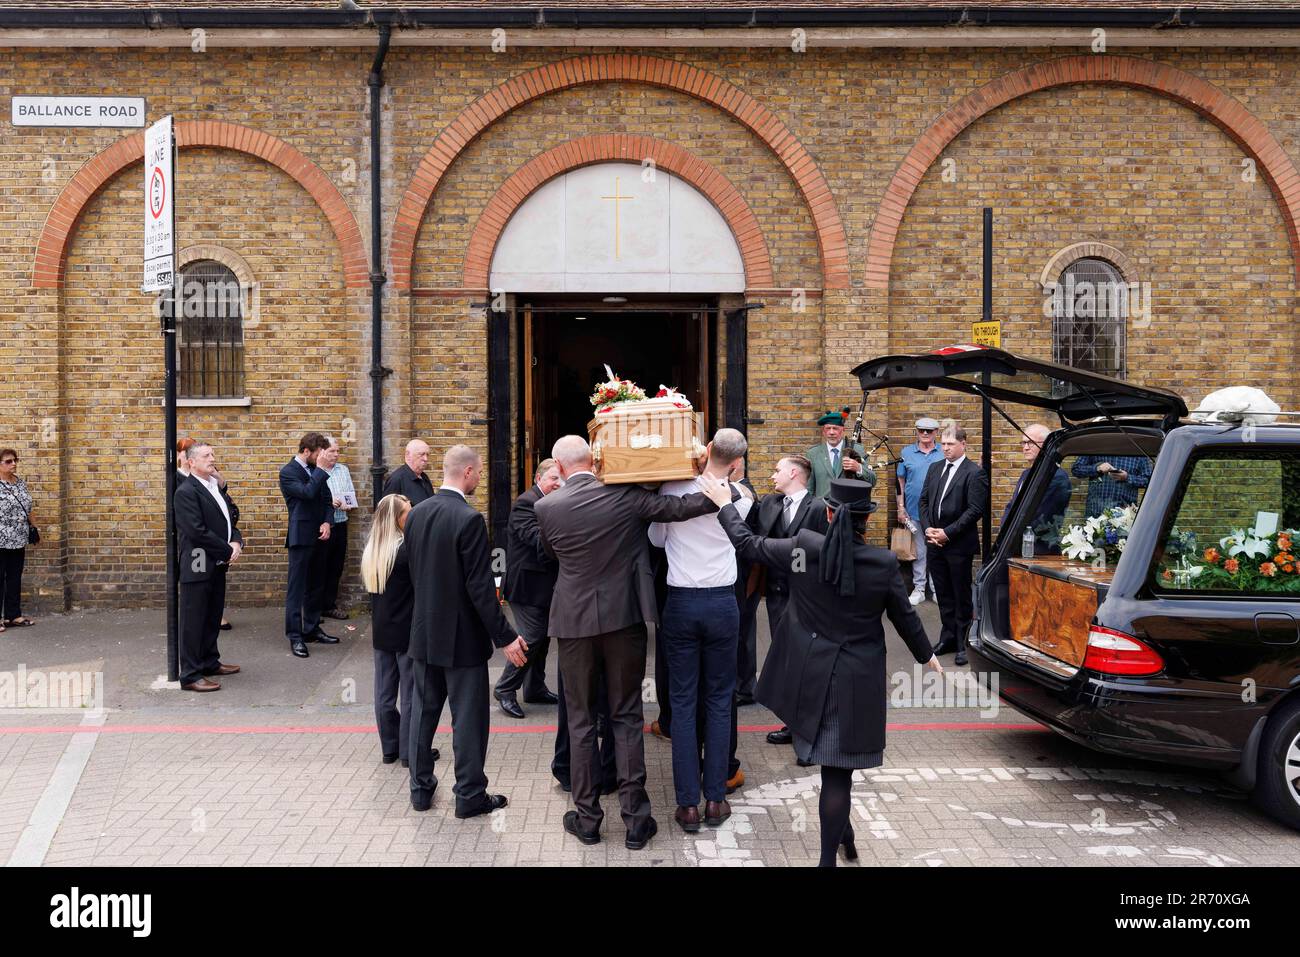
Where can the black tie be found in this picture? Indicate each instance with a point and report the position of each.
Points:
(943, 487)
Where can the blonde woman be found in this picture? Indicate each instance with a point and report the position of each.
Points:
(387, 577)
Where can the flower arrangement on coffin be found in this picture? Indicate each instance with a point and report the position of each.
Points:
(1101, 535)
(1244, 561)
(615, 390)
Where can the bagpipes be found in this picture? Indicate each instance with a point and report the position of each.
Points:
(855, 440)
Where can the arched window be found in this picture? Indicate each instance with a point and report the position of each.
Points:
(1090, 310)
(209, 333)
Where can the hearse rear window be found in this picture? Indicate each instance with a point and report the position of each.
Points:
(1235, 526)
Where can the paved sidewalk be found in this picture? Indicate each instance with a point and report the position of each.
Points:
(282, 767)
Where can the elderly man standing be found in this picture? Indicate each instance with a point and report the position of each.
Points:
(914, 463)
(408, 478)
(604, 596)
(828, 459)
(1046, 521)
(701, 626)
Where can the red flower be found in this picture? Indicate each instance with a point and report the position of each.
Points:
(1284, 543)
(661, 393)
(1212, 556)
(1268, 569)
(1167, 575)
(1231, 566)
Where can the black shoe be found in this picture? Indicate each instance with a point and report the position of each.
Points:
(299, 649)
(225, 626)
(336, 614)
(546, 697)
(390, 758)
(423, 803)
(571, 825)
(780, 737)
(490, 803)
(510, 706)
(743, 699)
(320, 637)
(434, 755)
(565, 786)
(943, 648)
(634, 842)
(850, 849)
(960, 659)
(802, 763)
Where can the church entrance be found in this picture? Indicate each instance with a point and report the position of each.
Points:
(567, 341)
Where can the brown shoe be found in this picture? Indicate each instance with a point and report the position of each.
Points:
(737, 781)
(203, 684)
(715, 812)
(655, 730)
(227, 670)
(688, 818)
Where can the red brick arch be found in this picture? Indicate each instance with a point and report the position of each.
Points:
(602, 148)
(52, 246)
(603, 68)
(1206, 99)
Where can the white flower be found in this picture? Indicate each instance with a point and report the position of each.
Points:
(1077, 543)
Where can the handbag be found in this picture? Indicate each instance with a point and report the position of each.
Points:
(902, 544)
(33, 533)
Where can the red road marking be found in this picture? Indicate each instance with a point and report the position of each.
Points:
(446, 729)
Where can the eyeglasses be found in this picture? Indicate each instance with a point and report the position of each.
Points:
(8, 461)
(926, 431)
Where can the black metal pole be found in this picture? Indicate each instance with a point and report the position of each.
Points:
(377, 277)
(169, 483)
(986, 418)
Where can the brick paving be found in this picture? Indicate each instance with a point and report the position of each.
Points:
(307, 787)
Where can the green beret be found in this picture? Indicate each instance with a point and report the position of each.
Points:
(831, 418)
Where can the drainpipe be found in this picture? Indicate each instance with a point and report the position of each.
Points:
(378, 372)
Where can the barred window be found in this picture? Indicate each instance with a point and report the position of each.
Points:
(1090, 309)
(209, 332)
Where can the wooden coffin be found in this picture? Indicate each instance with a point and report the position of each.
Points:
(651, 445)
(1053, 601)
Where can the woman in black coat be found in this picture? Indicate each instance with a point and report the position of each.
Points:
(825, 673)
(387, 577)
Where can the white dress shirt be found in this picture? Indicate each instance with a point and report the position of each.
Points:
(790, 505)
(952, 474)
(211, 485)
(700, 555)
(452, 488)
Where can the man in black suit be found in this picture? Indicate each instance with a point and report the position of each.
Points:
(307, 497)
(456, 621)
(207, 542)
(952, 503)
(529, 585)
(408, 478)
(781, 515)
(604, 596)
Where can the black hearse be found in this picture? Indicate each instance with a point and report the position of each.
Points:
(1183, 647)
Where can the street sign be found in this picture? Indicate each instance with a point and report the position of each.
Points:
(159, 208)
(101, 111)
(987, 333)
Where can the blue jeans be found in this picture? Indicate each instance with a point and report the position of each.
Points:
(701, 628)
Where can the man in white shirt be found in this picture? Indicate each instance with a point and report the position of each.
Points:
(700, 629)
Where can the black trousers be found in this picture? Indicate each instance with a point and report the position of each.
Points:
(199, 613)
(11, 582)
(336, 556)
(466, 689)
(603, 769)
(393, 677)
(620, 657)
(531, 622)
(303, 592)
(747, 648)
(951, 573)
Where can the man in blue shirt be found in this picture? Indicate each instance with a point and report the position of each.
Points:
(1113, 481)
(916, 461)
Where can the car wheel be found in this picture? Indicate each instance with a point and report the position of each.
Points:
(1277, 789)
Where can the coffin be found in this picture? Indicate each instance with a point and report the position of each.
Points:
(645, 442)
(1053, 601)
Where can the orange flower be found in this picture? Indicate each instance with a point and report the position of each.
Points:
(1231, 566)
(1167, 575)
(1268, 569)
(1284, 542)
(1289, 569)
(1212, 556)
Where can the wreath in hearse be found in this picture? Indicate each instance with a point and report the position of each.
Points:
(1243, 561)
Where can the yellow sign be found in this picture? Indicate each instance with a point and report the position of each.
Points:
(987, 333)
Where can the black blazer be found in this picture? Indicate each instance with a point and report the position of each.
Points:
(201, 530)
(597, 533)
(810, 514)
(962, 507)
(457, 617)
(402, 481)
(530, 572)
(823, 635)
(309, 500)
(390, 623)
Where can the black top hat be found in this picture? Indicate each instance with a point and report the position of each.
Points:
(854, 493)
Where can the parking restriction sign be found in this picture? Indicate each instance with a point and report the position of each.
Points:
(159, 208)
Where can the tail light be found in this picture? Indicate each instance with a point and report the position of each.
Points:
(1114, 653)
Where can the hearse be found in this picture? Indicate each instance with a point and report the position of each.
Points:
(1165, 625)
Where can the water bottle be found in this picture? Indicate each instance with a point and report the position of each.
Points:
(1027, 543)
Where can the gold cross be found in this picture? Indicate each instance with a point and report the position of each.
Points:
(616, 198)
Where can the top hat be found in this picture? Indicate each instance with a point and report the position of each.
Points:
(853, 493)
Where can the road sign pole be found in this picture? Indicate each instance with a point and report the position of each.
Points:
(169, 428)
(986, 417)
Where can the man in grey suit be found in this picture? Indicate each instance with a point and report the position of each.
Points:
(456, 621)
(604, 596)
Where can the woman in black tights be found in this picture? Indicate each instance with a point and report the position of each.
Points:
(825, 672)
